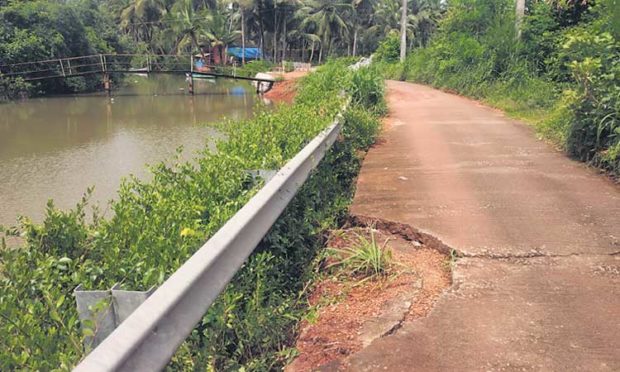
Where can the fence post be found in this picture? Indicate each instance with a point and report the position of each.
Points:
(62, 68)
(191, 75)
(106, 83)
(106, 76)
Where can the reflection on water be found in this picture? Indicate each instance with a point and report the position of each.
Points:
(57, 147)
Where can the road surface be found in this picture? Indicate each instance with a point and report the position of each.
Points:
(538, 284)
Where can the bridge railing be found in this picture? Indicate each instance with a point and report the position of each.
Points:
(104, 63)
(46, 69)
(112, 63)
(150, 336)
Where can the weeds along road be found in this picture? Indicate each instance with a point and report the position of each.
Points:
(538, 286)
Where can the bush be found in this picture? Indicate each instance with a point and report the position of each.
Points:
(158, 224)
(13, 88)
(289, 66)
(595, 100)
(254, 67)
(389, 49)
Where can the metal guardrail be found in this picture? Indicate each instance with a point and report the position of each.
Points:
(150, 336)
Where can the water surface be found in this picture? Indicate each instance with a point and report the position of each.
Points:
(54, 148)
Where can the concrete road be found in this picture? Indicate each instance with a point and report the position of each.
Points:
(539, 285)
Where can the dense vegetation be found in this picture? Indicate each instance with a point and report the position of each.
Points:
(562, 72)
(300, 30)
(158, 224)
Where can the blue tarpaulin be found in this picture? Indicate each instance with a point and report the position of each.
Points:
(250, 53)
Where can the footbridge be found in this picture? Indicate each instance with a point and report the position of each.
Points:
(108, 64)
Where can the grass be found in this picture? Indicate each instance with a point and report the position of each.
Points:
(366, 258)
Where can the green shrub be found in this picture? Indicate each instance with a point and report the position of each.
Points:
(158, 224)
(389, 49)
(289, 66)
(254, 67)
(13, 88)
(367, 89)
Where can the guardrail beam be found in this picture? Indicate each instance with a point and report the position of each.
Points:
(151, 335)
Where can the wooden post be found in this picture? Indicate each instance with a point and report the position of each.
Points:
(191, 75)
(106, 76)
(106, 83)
(62, 67)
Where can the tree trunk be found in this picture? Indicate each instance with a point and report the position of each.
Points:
(242, 36)
(284, 39)
(275, 32)
(520, 13)
(329, 49)
(355, 42)
(262, 28)
(320, 53)
(312, 53)
(403, 32)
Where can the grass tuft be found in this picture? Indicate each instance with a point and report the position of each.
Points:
(365, 258)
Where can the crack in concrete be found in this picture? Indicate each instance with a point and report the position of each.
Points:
(410, 233)
(406, 231)
(509, 256)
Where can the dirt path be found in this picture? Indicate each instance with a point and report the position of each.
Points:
(286, 89)
(538, 287)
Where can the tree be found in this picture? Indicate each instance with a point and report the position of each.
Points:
(329, 19)
(140, 18)
(243, 7)
(187, 28)
(403, 32)
(218, 33)
(520, 13)
(360, 17)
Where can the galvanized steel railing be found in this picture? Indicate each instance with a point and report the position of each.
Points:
(149, 337)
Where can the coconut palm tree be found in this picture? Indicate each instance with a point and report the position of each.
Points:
(187, 27)
(360, 18)
(422, 21)
(329, 17)
(241, 9)
(218, 32)
(140, 17)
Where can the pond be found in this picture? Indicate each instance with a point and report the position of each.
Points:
(57, 147)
